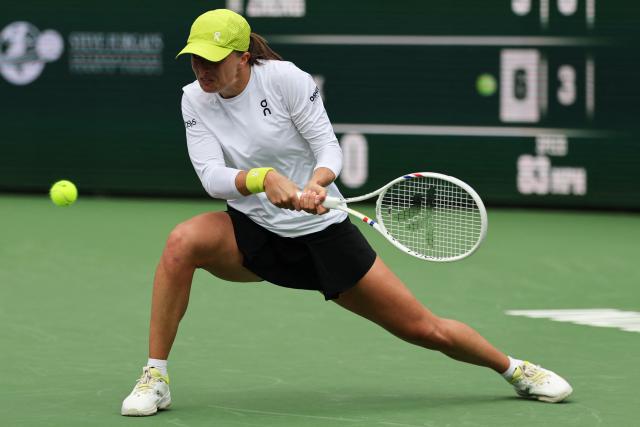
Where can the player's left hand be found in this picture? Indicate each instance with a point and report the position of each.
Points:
(312, 197)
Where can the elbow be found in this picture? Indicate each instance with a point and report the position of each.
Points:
(219, 183)
(337, 168)
(211, 191)
(209, 186)
(331, 158)
(213, 188)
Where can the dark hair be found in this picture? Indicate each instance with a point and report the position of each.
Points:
(260, 49)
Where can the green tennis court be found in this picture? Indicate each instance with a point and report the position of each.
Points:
(74, 303)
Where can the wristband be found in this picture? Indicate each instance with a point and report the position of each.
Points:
(255, 179)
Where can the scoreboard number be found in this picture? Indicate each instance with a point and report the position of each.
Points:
(520, 85)
(567, 88)
(521, 7)
(355, 167)
(566, 9)
(526, 75)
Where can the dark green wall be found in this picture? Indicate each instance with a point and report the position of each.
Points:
(117, 128)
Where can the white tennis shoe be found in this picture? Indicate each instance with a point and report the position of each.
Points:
(534, 382)
(150, 394)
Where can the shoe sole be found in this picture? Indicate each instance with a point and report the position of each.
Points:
(547, 399)
(164, 403)
(555, 399)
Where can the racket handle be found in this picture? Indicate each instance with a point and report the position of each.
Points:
(329, 202)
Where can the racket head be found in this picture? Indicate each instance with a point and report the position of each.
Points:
(432, 216)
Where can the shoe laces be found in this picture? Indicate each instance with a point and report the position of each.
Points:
(534, 374)
(146, 381)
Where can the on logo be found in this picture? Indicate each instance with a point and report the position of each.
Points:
(216, 36)
(24, 50)
(265, 109)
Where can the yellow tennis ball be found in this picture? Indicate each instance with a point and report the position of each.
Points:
(63, 193)
(486, 84)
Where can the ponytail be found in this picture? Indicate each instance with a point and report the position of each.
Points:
(260, 49)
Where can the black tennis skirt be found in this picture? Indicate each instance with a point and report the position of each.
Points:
(330, 261)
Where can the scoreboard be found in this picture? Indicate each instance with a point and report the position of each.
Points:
(532, 102)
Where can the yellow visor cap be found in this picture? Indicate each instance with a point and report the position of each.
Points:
(217, 33)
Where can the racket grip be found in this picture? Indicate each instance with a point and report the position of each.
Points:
(329, 202)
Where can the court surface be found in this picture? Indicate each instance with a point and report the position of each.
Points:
(75, 286)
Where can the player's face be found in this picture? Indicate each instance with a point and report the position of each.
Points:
(224, 77)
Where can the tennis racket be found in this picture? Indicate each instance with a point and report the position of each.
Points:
(431, 216)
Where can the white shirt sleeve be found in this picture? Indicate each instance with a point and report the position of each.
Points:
(207, 158)
(307, 111)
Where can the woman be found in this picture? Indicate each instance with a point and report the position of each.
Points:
(257, 132)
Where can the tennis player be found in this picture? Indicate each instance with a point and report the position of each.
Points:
(257, 132)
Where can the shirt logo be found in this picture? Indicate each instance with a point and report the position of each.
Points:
(216, 36)
(265, 108)
(315, 94)
(190, 123)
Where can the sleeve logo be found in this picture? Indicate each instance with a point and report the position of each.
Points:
(315, 95)
(190, 123)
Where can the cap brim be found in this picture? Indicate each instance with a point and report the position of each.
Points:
(208, 51)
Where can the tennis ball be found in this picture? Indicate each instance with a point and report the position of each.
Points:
(63, 193)
(486, 84)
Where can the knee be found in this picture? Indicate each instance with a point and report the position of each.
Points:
(181, 245)
(428, 332)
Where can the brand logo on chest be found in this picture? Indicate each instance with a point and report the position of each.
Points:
(265, 107)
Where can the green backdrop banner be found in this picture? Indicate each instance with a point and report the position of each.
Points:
(532, 102)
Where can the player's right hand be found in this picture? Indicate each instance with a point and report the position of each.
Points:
(311, 199)
(281, 191)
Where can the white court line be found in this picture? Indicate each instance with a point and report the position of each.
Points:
(380, 129)
(398, 40)
(628, 321)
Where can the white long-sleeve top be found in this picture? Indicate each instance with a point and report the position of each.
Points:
(279, 121)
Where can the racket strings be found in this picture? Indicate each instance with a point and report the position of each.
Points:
(431, 216)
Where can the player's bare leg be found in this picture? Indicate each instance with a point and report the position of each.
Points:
(206, 241)
(381, 297)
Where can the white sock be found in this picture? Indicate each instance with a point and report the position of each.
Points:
(513, 364)
(160, 365)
